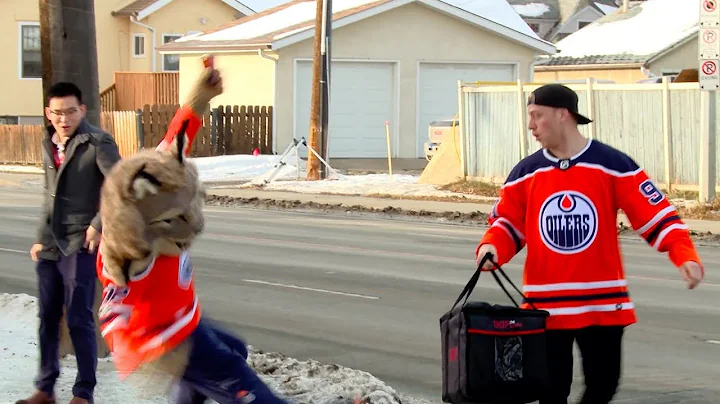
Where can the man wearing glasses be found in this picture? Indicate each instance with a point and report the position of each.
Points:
(76, 158)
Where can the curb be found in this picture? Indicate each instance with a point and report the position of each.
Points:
(344, 200)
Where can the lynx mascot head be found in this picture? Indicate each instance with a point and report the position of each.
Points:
(152, 201)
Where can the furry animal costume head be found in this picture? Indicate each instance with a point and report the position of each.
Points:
(151, 205)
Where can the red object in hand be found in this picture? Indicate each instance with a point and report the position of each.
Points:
(209, 61)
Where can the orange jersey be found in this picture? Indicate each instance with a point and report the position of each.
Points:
(150, 316)
(565, 212)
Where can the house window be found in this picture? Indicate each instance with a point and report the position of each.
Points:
(139, 45)
(30, 57)
(171, 63)
(8, 120)
(583, 24)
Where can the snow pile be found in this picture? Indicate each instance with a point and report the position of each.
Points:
(637, 33)
(365, 185)
(314, 382)
(301, 381)
(531, 10)
(19, 169)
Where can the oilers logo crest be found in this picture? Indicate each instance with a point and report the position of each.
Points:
(568, 222)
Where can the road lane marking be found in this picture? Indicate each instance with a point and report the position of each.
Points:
(712, 341)
(275, 241)
(14, 251)
(332, 292)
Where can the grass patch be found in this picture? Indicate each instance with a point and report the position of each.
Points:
(709, 211)
(473, 188)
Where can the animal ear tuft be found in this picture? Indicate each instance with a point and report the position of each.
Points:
(144, 184)
(180, 142)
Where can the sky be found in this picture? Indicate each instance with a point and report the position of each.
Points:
(260, 5)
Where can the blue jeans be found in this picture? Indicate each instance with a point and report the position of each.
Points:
(218, 370)
(70, 283)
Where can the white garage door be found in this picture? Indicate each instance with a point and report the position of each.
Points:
(361, 100)
(437, 86)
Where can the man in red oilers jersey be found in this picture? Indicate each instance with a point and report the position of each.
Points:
(561, 202)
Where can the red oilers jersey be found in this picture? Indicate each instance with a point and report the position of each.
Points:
(565, 213)
(152, 314)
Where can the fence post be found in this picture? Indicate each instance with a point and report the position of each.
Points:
(708, 119)
(591, 107)
(461, 127)
(213, 132)
(522, 120)
(667, 133)
(140, 133)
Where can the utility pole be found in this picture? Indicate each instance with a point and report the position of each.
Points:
(69, 49)
(69, 53)
(325, 81)
(314, 142)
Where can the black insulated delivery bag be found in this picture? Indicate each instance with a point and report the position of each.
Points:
(493, 354)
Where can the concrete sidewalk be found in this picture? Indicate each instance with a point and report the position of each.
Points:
(405, 204)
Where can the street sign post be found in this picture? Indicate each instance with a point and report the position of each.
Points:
(709, 80)
(709, 45)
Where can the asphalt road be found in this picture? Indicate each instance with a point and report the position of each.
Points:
(367, 293)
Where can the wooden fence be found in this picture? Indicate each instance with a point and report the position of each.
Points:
(121, 124)
(21, 144)
(227, 129)
(133, 90)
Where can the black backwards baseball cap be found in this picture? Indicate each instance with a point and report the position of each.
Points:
(558, 96)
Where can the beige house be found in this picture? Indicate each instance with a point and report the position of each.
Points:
(127, 33)
(395, 61)
(627, 47)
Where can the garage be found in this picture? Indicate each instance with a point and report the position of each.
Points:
(437, 89)
(362, 98)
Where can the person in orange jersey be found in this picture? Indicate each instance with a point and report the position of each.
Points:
(562, 202)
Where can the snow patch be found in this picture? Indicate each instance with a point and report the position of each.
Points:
(531, 9)
(498, 11)
(282, 19)
(301, 381)
(242, 167)
(640, 33)
(20, 169)
(366, 185)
